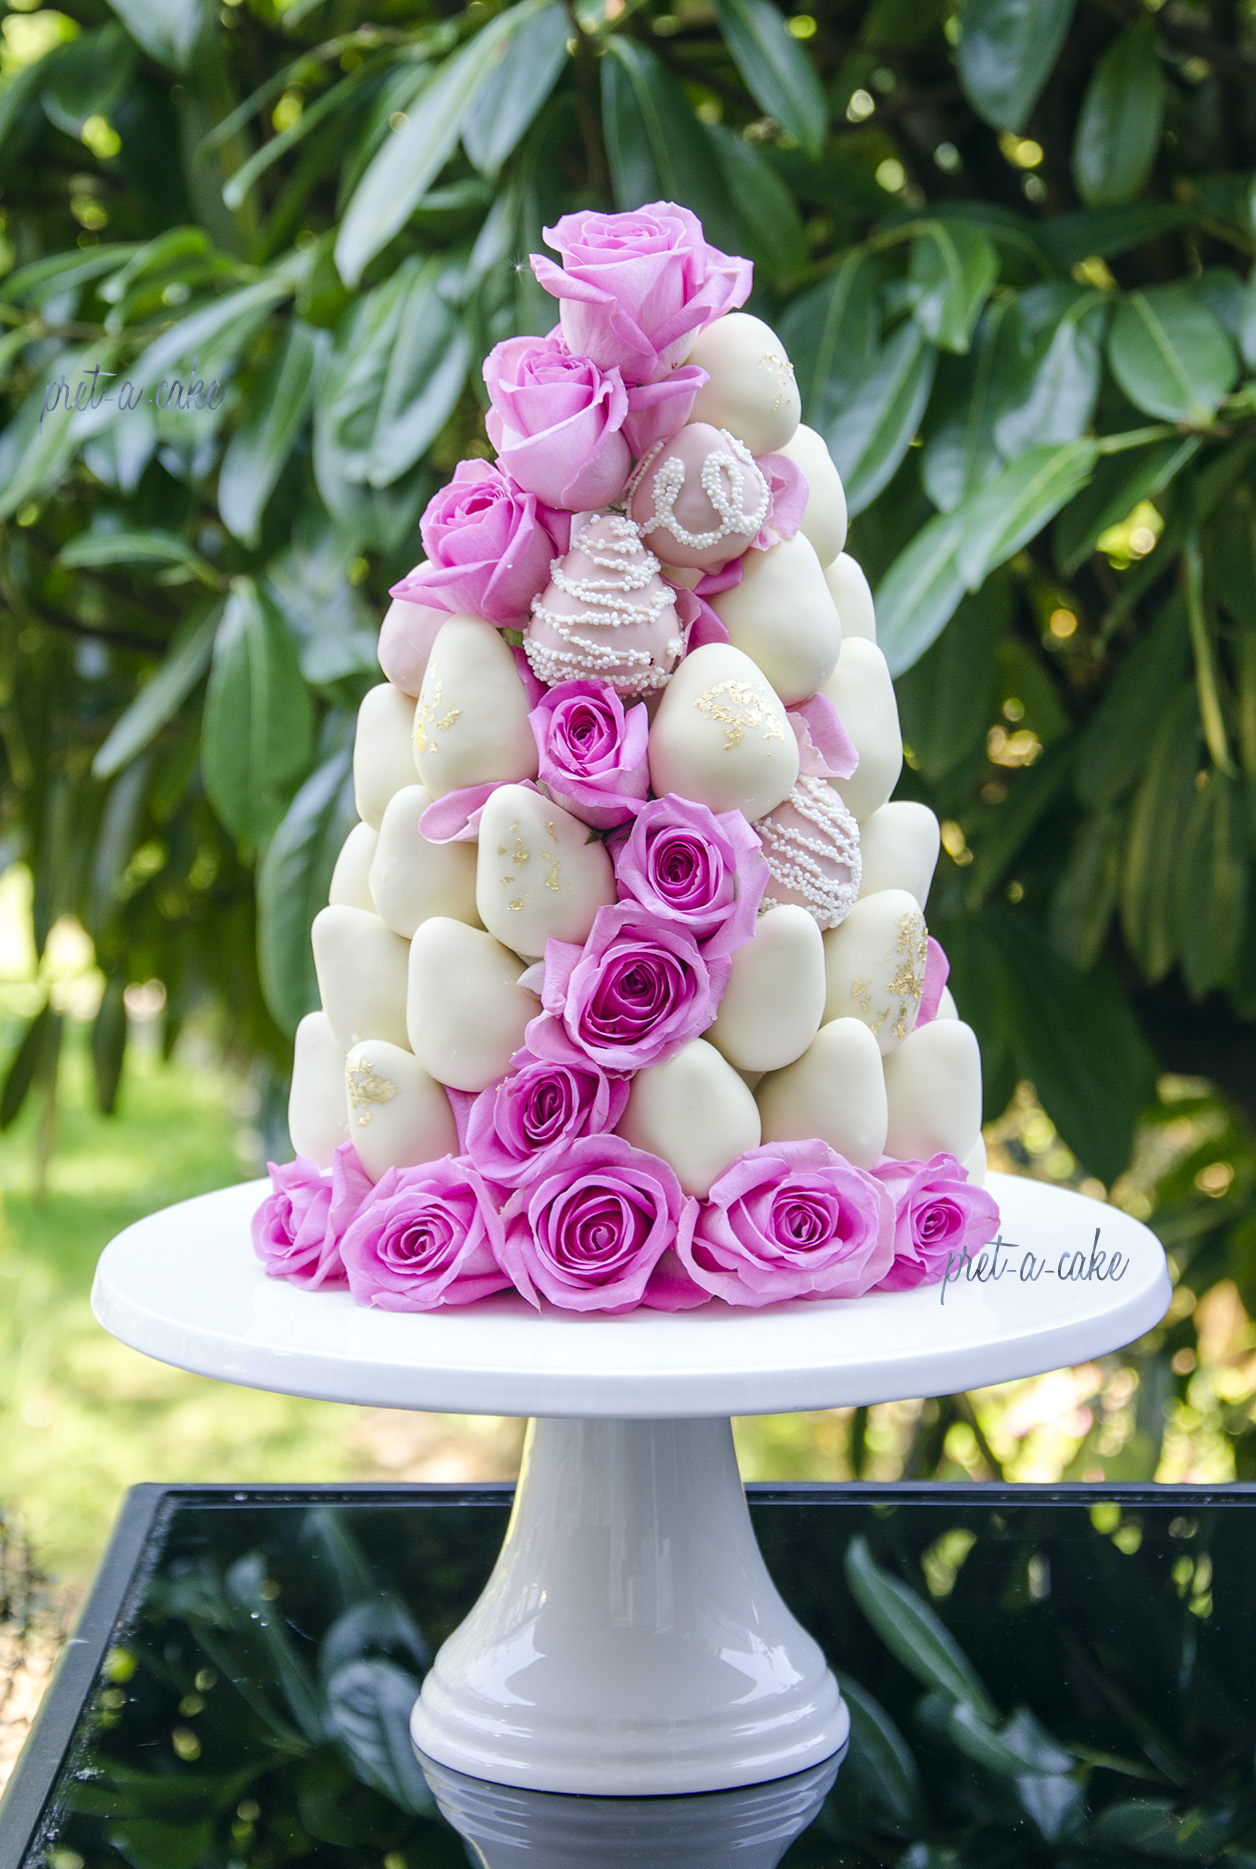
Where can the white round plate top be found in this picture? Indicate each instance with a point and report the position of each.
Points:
(1067, 1279)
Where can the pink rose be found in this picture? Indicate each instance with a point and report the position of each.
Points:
(429, 1236)
(686, 865)
(632, 996)
(590, 1231)
(489, 546)
(790, 1220)
(657, 410)
(299, 1227)
(592, 751)
(633, 288)
(531, 1117)
(939, 1216)
(556, 422)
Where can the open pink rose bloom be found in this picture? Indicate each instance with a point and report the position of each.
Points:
(627, 993)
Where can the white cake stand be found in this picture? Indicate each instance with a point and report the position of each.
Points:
(630, 1641)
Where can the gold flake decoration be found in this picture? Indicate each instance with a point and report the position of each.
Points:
(739, 708)
(367, 1087)
(427, 723)
(779, 367)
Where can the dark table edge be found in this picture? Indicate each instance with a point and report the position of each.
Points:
(122, 1568)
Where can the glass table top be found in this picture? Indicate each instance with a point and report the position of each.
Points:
(1047, 1676)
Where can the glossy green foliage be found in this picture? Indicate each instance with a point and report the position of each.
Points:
(1009, 248)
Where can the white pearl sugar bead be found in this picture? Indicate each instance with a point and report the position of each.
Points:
(852, 594)
(465, 1011)
(782, 616)
(699, 499)
(695, 1112)
(606, 614)
(824, 521)
(774, 1001)
(383, 752)
(399, 1115)
(471, 723)
(752, 390)
(863, 698)
(900, 849)
(539, 875)
(933, 1084)
(835, 1091)
(411, 878)
(361, 968)
(875, 965)
(351, 878)
(317, 1123)
(721, 736)
(811, 844)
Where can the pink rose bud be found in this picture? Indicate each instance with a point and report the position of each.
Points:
(940, 1218)
(592, 752)
(688, 866)
(488, 546)
(529, 1120)
(790, 1220)
(429, 1236)
(299, 1227)
(556, 423)
(590, 1231)
(634, 288)
(633, 995)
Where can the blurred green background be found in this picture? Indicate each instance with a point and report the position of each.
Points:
(1009, 249)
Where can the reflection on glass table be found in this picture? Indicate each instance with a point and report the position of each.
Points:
(1035, 1675)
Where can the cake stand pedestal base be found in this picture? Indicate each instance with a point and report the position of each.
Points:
(630, 1640)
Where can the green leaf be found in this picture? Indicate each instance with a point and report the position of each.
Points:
(1004, 515)
(258, 718)
(960, 452)
(775, 69)
(1052, 395)
(946, 699)
(953, 266)
(1105, 231)
(1163, 808)
(917, 596)
(773, 231)
(34, 1063)
(1077, 1042)
(1119, 482)
(1118, 130)
(1212, 880)
(872, 433)
(1115, 745)
(145, 1843)
(37, 446)
(64, 273)
(409, 161)
(292, 885)
(830, 332)
(137, 548)
(369, 1705)
(1007, 51)
(162, 695)
(1157, 1827)
(108, 1042)
(656, 148)
(86, 77)
(1170, 355)
(1085, 896)
(273, 418)
(912, 1632)
(214, 334)
(1005, 829)
(880, 1756)
(167, 29)
(509, 101)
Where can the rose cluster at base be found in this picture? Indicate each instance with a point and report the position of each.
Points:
(592, 1224)
(627, 995)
